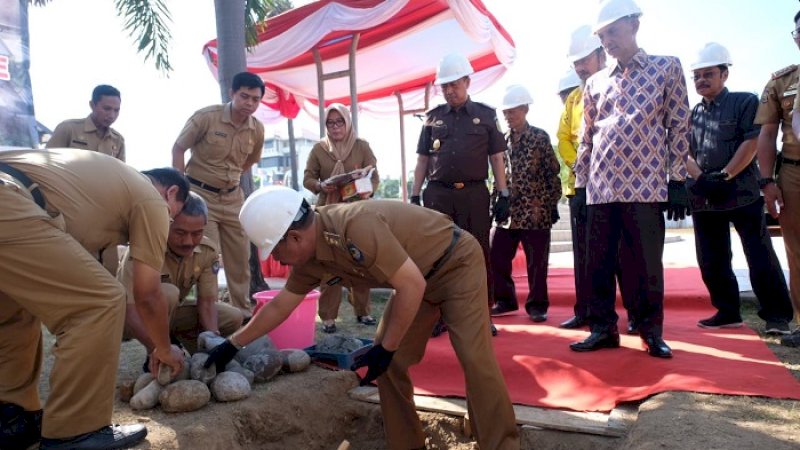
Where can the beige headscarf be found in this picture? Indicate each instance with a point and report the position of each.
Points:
(338, 150)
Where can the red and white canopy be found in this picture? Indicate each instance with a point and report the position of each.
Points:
(400, 45)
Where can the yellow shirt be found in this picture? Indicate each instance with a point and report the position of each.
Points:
(569, 131)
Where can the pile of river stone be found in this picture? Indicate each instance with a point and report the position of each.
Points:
(194, 386)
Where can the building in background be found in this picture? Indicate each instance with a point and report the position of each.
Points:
(275, 166)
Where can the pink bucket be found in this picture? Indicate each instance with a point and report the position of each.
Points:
(297, 331)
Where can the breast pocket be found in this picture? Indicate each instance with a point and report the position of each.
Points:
(478, 141)
(727, 130)
(217, 143)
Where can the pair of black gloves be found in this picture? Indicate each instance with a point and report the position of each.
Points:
(501, 211)
(677, 205)
(714, 186)
(377, 360)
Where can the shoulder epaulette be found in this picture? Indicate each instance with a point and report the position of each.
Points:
(783, 72)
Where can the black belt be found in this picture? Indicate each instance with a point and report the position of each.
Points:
(32, 187)
(792, 162)
(447, 252)
(457, 185)
(208, 187)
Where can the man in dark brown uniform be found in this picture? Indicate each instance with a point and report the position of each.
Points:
(435, 268)
(457, 140)
(60, 208)
(781, 188)
(225, 140)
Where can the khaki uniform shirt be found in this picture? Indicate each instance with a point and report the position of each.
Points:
(82, 133)
(777, 102)
(102, 201)
(365, 243)
(219, 149)
(460, 141)
(319, 166)
(200, 268)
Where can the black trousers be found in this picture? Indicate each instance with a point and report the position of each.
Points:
(469, 209)
(536, 245)
(712, 234)
(627, 284)
(638, 229)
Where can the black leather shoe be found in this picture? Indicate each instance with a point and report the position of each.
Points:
(493, 328)
(537, 316)
(573, 322)
(439, 328)
(106, 438)
(501, 309)
(633, 327)
(19, 429)
(597, 340)
(656, 346)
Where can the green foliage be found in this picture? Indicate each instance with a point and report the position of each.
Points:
(389, 188)
(256, 12)
(147, 22)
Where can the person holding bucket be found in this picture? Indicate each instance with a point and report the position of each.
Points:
(435, 268)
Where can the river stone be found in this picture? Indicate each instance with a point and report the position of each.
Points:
(336, 343)
(230, 386)
(200, 373)
(231, 365)
(294, 360)
(264, 366)
(143, 380)
(125, 388)
(241, 370)
(185, 373)
(184, 396)
(147, 398)
(208, 340)
(258, 346)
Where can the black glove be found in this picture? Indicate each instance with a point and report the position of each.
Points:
(714, 186)
(677, 200)
(554, 215)
(415, 200)
(501, 209)
(377, 359)
(221, 355)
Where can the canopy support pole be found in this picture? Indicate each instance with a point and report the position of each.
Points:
(350, 73)
(403, 112)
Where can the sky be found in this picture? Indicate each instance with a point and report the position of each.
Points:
(76, 45)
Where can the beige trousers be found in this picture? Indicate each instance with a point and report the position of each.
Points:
(183, 319)
(331, 298)
(789, 182)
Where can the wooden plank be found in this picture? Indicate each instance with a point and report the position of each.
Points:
(615, 424)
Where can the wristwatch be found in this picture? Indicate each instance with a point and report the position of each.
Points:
(763, 182)
(504, 192)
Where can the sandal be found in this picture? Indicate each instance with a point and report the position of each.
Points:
(366, 320)
(329, 328)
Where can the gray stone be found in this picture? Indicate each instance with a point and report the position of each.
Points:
(184, 396)
(200, 373)
(230, 387)
(231, 365)
(143, 380)
(258, 346)
(208, 340)
(147, 397)
(337, 343)
(264, 366)
(294, 360)
(247, 373)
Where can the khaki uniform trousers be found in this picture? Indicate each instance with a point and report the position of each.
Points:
(183, 319)
(789, 182)
(457, 292)
(331, 298)
(224, 228)
(47, 277)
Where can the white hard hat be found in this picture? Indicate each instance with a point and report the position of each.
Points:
(582, 43)
(612, 10)
(569, 80)
(267, 214)
(516, 95)
(711, 55)
(453, 67)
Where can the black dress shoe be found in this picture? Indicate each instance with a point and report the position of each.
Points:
(439, 328)
(106, 438)
(573, 322)
(656, 346)
(633, 327)
(19, 429)
(493, 328)
(537, 316)
(597, 340)
(501, 309)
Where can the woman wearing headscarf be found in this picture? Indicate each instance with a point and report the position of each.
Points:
(339, 152)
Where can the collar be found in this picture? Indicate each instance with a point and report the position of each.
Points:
(525, 130)
(468, 106)
(324, 250)
(716, 101)
(227, 111)
(89, 126)
(639, 59)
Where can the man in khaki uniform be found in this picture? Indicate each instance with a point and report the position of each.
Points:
(94, 132)
(191, 260)
(435, 268)
(60, 209)
(782, 193)
(225, 140)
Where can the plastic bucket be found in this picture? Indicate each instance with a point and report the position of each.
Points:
(297, 331)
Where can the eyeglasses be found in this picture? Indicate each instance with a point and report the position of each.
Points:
(334, 123)
(795, 34)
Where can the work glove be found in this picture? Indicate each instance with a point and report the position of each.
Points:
(377, 359)
(677, 200)
(221, 355)
(714, 186)
(501, 209)
(415, 200)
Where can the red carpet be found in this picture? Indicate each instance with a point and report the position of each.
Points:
(541, 370)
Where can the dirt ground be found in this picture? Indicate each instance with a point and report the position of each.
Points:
(311, 410)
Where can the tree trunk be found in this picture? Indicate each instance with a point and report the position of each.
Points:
(232, 60)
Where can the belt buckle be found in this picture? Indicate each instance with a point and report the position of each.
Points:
(458, 185)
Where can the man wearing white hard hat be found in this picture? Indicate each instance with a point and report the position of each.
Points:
(457, 141)
(567, 83)
(436, 270)
(780, 171)
(532, 171)
(723, 188)
(632, 160)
